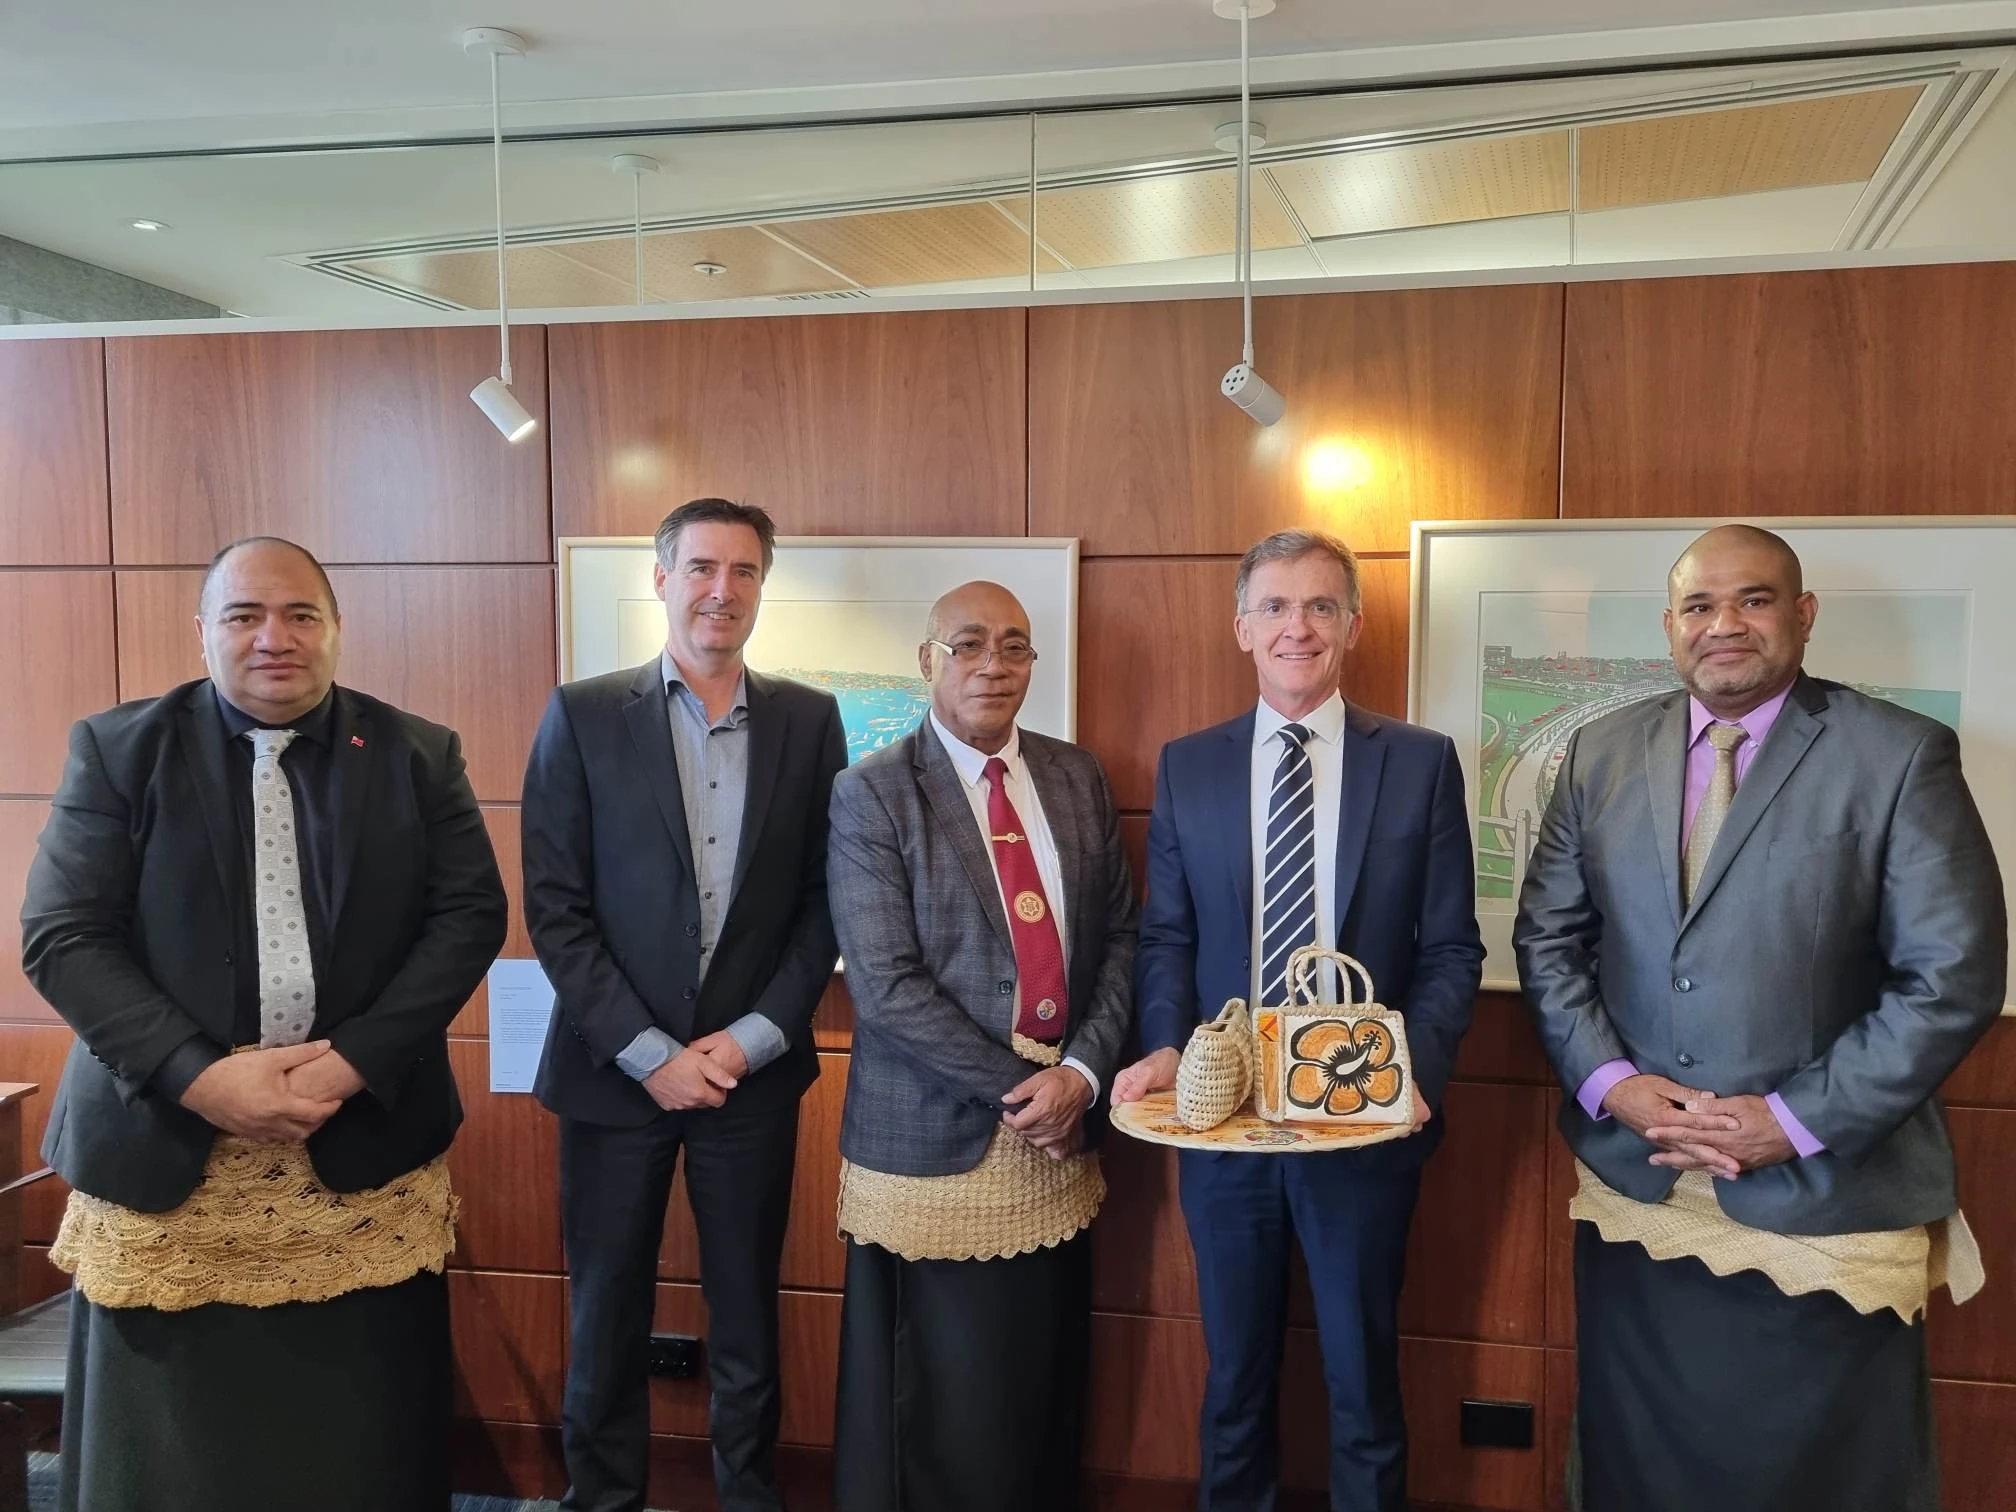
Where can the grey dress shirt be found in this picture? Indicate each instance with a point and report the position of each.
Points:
(713, 759)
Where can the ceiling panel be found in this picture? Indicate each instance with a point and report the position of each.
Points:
(931, 244)
(1839, 139)
(541, 278)
(752, 265)
(1436, 184)
(1148, 220)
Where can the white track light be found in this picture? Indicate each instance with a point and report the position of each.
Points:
(1252, 393)
(493, 395)
(1241, 384)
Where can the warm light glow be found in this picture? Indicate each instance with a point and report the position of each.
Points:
(1334, 465)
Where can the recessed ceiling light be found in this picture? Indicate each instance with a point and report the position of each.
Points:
(710, 269)
(148, 225)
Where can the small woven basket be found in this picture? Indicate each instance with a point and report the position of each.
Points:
(1216, 1071)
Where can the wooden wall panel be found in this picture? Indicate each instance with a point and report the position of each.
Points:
(1858, 391)
(1978, 1341)
(887, 424)
(469, 647)
(1157, 658)
(1147, 1384)
(1430, 405)
(21, 820)
(808, 1346)
(53, 507)
(507, 1459)
(1977, 1443)
(502, 822)
(505, 1164)
(60, 666)
(1501, 1044)
(1987, 1077)
(1560, 1229)
(361, 445)
(1141, 1256)
(35, 1053)
(1557, 1417)
(814, 1254)
(1476, 1263)
(510, 1340)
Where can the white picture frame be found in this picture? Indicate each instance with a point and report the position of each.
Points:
(843, 612)
(1520, 631)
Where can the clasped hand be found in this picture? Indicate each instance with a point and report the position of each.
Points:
(280, 1095)
(1052, 1114)
(1696, 1130)
(700, 1076)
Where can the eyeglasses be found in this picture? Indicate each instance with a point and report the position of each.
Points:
(973, 655)
(1275, 611)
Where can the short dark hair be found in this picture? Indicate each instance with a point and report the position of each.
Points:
(714, 511)
(1292, 546)
(217, 561)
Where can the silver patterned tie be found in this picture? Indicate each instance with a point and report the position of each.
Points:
(1714, 807)
(286, 974)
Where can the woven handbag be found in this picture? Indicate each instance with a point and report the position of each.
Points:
(1331, 1063)
(1216, 1071)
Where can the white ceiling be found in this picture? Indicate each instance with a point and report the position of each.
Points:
(122, 74)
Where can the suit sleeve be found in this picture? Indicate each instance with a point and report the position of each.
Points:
(1165, 969)
(1555, 939)
(1102, 1031)
(557, 835)
(465, 915)
(1943, 931)
(896, 996)
(1448, 951)
(806, 965)
(76, 922)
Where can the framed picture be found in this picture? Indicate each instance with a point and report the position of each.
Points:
(1522, 631)
(842, 613)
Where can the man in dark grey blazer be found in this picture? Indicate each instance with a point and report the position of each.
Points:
(986, 917)
(675, 889)
(1760, 926)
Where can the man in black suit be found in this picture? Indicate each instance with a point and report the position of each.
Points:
(675, 886)
(259, 900)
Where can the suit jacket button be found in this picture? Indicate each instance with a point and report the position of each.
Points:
(1684, 1058)
(1004, 988)
(688, 994)
(691, 930)
(1683, 984)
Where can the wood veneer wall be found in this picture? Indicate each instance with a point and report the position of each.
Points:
(124, 462)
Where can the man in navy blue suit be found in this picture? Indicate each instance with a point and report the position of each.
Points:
(1305, 821)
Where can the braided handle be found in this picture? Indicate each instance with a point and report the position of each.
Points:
(1302, 969)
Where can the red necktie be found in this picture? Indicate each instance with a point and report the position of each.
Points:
(1039, 953)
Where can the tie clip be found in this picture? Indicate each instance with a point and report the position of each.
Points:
(1010, 838)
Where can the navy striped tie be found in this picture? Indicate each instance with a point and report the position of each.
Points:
(1288, 895)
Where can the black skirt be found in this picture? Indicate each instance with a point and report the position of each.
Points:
(962, 1382)
(308, 1406)
(1699, 1391)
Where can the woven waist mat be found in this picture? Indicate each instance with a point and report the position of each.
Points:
(259, 1230)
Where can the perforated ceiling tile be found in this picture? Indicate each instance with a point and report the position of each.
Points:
(1435, 184)
(931, 244)
(1148, 220)
(752, 264)
(1791, 145)
(540, 278)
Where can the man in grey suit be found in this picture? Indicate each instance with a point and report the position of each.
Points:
(986, 918)
(1760, 926)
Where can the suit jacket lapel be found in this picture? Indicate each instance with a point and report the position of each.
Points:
(202, 730)
(1364, 762)
(1666, 777)
(1235, 780)
(350, 764)
(1060, 812)
(650, 722)
(767, 721)
(946, 794)
(1784, 748)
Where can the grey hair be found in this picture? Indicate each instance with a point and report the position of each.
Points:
(1292, 546)
(715, 511)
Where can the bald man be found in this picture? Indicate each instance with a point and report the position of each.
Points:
(986, 918)
(1761, 925)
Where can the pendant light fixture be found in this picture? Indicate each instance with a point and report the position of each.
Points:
(636, 164)
(1241, 384)
(493, 395)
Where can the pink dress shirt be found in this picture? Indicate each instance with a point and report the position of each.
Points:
(1700, 771)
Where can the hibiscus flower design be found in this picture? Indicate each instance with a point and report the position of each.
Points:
(1343, 1067)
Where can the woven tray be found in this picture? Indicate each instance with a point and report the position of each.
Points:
(1154, 1119)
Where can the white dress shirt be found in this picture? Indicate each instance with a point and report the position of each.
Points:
(1325, 724)
(971, 765)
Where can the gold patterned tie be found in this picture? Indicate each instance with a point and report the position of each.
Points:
(1714, 807)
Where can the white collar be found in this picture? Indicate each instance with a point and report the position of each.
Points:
(1325, 721)
(971, 765)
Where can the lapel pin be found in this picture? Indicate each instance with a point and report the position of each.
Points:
(357, 741)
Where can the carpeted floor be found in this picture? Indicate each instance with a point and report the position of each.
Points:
(42, 1493)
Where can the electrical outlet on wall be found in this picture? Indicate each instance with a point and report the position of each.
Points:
(676, 1356)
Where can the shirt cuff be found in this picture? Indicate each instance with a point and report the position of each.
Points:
(1801, 1136)
(760, 1040)
(185, 1063)
(1592, 1092)
(646, 1053)
(1085, 1071)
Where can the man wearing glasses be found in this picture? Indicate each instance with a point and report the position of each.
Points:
(986, 918)
(1306, 821)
